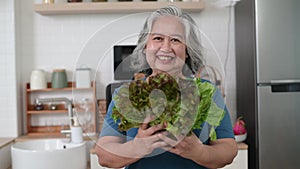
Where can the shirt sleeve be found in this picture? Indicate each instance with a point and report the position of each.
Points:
(224, 130)
(110, 127)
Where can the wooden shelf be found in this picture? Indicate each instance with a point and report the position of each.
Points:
(112, 7)
(61, 89)
(71, 86)
(46, 111)
(44, 130)
(61, 108)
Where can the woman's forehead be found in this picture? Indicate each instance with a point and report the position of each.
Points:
(168, 25)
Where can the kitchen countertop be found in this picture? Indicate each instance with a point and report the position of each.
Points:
(242, 146)
(33, 137)
(4, 141)
(88, 166)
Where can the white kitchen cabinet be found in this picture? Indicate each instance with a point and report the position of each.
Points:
(5, 155)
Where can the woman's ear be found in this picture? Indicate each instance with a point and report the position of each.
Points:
(186, 53)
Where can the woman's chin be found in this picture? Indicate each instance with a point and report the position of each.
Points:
(171, 72)
(162, 69)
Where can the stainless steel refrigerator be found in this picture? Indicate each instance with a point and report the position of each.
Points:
(268, 80)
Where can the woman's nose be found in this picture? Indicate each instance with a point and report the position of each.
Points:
(166, 45)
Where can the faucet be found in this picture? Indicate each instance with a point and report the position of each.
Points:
(67, 102)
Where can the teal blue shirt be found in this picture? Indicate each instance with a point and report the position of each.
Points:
(161, 159)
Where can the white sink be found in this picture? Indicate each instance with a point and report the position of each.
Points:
(48, 154)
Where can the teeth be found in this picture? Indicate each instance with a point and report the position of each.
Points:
(164, 57)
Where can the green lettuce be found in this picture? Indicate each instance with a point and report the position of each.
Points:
(184, 104)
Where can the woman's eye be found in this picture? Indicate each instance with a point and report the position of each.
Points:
(175, 40)
(157, 38)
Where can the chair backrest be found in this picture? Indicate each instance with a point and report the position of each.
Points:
(110, 88)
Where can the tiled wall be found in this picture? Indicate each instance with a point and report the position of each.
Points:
(69, 41)
(8, 75)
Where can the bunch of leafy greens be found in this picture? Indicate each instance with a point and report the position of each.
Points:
(184, 104)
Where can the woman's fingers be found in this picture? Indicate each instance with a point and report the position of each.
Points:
(146, 122)
(164, 136)
(146, 145)
(150, 130)
(176, 140)
(147, 138)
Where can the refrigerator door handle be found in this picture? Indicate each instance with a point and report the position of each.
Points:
(274, 82)
(285, 86)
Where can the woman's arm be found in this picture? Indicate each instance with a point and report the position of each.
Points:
(114, 152)
(218, 154)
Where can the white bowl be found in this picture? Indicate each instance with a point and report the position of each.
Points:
(240, 138)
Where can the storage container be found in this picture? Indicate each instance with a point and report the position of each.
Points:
(38, 79)
(59, 78)
(83, 77)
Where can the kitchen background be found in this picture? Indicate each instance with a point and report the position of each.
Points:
(32, 41)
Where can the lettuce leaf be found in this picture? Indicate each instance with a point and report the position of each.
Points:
(184, 104)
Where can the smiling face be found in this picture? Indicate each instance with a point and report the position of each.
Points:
(165, 48)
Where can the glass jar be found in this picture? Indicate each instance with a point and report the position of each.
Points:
(39, 106)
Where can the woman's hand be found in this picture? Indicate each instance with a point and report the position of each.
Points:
(147, 138)
(184, 146)
(216, 155)
(115, 152)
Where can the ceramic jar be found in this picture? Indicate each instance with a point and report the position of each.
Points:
(38, 79)
(59, 78)
(100, 0)
(74, 0)
(83, 77)
(48, 1)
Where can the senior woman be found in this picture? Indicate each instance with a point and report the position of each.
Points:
(169, 42)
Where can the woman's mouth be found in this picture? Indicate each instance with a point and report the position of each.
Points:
(165, 58)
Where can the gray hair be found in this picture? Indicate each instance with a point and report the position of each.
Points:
(195, 57)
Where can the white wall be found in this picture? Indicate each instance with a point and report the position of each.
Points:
(67, 41)
(9, 96)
